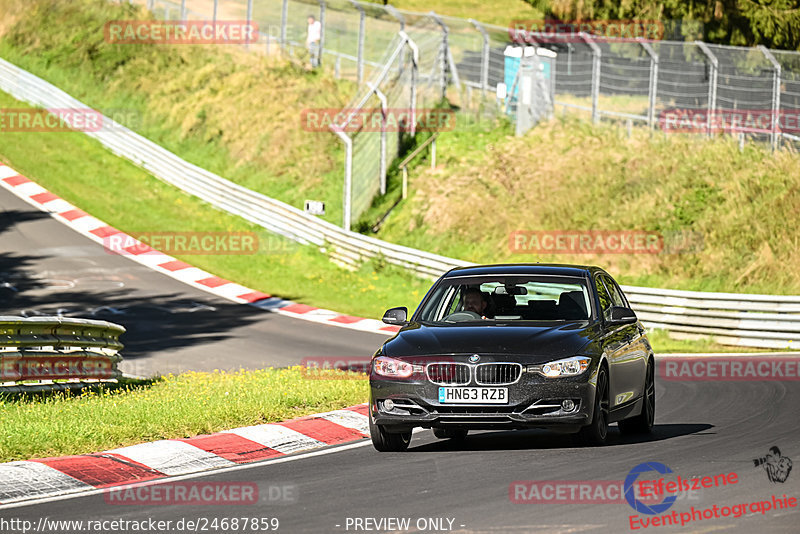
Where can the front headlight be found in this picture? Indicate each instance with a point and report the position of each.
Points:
(567, 367)
(386, 366)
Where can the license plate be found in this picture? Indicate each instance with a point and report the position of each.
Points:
(473, 395)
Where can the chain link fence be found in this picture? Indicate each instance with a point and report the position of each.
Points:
(674, 86)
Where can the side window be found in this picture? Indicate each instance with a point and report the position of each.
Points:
(602, 294)
(455, 304)
(616, 295)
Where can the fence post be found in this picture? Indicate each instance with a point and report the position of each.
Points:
(652, 90)
(776, 96)
(214, 12)
(401, 19)
(596, 57)
(444, 51)
(484, 58)
(712, 83)
(150, 5)
(284, 20)
(348, 174)
(384, 111)
(183, 9)
(414, 66)
(396, 14)
(322, 32)
(249, 19)
(361, 29)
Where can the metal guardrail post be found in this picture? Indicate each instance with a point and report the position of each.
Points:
(284, 21)
(712, 83)
(348, 176)
(361, 30)
(653, 87)
(322, 32)
(414, 68)
(183, 9)
(384, 111)
(776, 96)
(442, 51)
(484, 58)
(401, 19)
(214, 13)
(596, 58)
(249, 19)
(448, 67)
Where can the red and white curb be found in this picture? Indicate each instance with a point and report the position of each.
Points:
(97, 231)
(50, 477)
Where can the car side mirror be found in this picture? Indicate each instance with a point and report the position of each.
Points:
(621, 315)
(396, 316)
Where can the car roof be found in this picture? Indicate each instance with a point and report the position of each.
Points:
(524, 268)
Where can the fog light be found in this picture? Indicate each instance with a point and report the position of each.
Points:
(567, 405)
(388, 405)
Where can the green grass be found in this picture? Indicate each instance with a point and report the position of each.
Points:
(497, 12)
(102, 418)
(234, 113)
(80, 170)
(568, 174)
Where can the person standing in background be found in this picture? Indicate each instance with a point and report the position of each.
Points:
(313, 39)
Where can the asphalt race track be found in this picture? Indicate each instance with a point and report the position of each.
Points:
(703, 428)
(47, 268)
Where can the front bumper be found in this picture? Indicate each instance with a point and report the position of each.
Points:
(534, 402)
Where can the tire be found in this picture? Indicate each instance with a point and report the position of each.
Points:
(643, 423)
(456, 434)
(385, 441)
(596, 432)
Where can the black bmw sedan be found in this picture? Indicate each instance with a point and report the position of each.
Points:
(513, 347)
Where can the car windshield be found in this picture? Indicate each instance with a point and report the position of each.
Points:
(506, 299)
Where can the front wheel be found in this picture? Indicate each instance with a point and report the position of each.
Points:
(596, 432)
(385, 441)
(643, 423)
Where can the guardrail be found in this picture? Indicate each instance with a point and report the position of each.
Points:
(36, 351)
(737, 319)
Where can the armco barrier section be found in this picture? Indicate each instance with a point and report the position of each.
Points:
(737, 319)
(35, 351)
(766, 321)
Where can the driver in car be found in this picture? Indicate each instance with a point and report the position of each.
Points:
(474, 301)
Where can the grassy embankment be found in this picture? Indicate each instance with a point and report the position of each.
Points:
(42, 425)
(237, 114)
